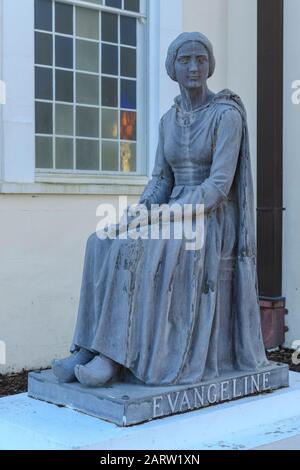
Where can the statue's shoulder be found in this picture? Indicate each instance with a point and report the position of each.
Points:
(228, 100)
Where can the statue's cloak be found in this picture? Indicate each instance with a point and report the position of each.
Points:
(249, 348)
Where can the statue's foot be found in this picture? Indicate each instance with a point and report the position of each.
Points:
(63, 369)
(97, 372)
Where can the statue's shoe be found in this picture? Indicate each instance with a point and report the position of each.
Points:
(63, 369)
(97, 372)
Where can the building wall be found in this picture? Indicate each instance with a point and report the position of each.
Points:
(42, 242)
(291, 171)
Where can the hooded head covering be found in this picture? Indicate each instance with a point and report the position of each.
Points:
(176, 45)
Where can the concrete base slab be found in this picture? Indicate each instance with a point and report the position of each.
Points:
(291, 443)
(126, 404)
(248, 423)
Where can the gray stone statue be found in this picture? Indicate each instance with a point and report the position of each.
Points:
(164, 314)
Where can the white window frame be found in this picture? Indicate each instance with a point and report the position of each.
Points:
(18, 174)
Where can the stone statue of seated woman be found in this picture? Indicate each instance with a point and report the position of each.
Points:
(149, 306)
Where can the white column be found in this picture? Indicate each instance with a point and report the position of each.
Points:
(18, 74)
(1, 84)
(242, 65)
(210, 18)
(171, 25)
(166, 22)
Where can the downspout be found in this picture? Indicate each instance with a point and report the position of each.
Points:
(270, 169)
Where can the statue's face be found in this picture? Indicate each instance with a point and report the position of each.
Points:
(192, 65)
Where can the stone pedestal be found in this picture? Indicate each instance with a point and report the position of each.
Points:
(126, 404)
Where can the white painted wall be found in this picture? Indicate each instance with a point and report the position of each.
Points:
(42, 242)
(291, 171)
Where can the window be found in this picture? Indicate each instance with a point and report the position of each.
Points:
(89, 115)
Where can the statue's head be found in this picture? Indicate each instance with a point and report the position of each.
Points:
(190, 60)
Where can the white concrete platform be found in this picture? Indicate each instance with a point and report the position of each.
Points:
(248, 423)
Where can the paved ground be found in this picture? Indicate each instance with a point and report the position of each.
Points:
(293, 443)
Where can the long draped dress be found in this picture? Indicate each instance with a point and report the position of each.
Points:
(168, 314)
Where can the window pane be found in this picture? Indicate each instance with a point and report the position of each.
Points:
(64, 86)
(64, 119)
(128, 157)
(43, 84)
(64, 52)
(87, 89)
(128, 94)
(87, 155)
(110, 124)
(43, 118)
(110, 156)
(109, 59)
(43, 49)
(43, 15)
(43, 152)
(109, 92)
(128, 125)
(128, 31)
(109, 25)
(87, 56)
(87, 122)
(87, 23)
(132, 5)
(128, 62)
(114, 3)
(64, 154)
(63, 18)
